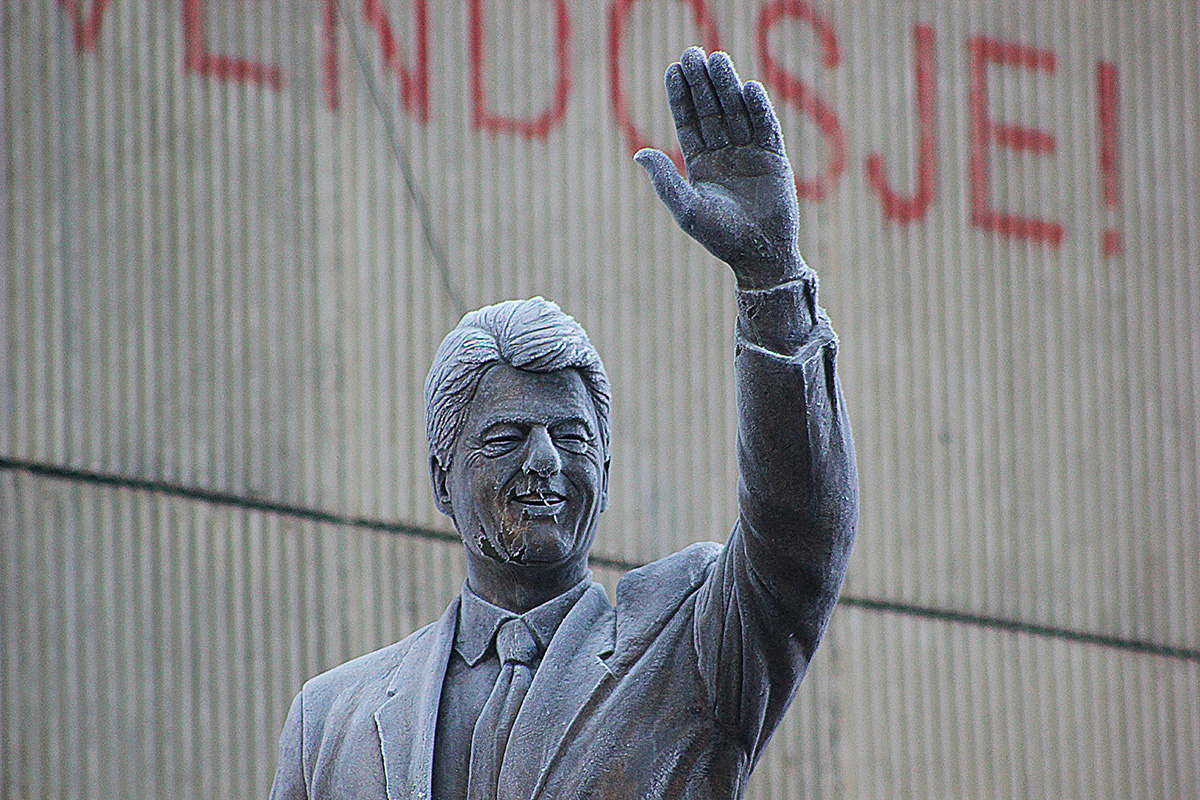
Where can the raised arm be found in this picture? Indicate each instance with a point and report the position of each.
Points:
(774, 586)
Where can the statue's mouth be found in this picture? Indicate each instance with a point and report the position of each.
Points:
(540, 502)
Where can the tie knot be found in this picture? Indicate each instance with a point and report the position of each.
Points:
(515, 642)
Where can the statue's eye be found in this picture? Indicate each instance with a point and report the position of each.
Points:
(572, 437)
(502, 439)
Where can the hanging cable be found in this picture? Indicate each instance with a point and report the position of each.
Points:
(436, 250)
(397, 528)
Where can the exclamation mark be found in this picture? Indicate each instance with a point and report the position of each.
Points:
(1110, 172)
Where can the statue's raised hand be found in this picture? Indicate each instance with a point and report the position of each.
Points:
(739, 199)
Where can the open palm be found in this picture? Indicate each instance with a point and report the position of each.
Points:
(739, 199)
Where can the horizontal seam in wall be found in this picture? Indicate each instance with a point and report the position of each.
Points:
(402, 529)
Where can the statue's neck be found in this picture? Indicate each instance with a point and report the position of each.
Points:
(521, 587)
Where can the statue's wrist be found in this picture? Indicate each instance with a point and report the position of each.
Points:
(778, 318)
(768, 271)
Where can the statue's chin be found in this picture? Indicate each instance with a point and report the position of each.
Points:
(491, 551)
(511, 547)
(518, 547)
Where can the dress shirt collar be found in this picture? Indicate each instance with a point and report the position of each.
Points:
(478, 621)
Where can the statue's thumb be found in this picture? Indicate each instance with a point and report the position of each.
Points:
(674, 190)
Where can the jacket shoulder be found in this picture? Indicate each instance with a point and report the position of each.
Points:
(649, 595)
(366, 675)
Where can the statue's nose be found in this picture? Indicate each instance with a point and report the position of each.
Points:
(541, 456)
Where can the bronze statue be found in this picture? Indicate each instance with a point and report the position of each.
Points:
(532, 684)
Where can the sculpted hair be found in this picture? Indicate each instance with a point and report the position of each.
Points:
(533, 335)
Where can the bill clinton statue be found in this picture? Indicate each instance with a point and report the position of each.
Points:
(532, 685)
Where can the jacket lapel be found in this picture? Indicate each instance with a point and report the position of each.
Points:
(407, 720)
(570, 672)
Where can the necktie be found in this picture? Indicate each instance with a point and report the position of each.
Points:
(517, 650)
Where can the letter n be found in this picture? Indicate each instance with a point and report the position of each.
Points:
(414, 81)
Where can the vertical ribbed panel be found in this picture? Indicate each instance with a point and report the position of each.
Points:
(212, 276)
(153, 641)
(904, 708)
(111, 691)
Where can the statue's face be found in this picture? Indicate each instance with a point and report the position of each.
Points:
(528, 476)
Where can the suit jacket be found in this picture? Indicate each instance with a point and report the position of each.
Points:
(674, 692)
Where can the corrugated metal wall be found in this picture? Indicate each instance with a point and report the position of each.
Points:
(219, 305)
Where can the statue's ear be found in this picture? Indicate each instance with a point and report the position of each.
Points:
(604, 485)
(441, 489)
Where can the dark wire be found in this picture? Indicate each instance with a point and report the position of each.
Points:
(410, 182)
(396, 528)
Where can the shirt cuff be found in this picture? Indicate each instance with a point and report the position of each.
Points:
(782, 319)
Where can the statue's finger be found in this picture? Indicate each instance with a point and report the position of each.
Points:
(683, 111)
(708, 109)
(763, 122)
(672, 188)
(728, 89)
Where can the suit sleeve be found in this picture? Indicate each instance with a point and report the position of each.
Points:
(289, 774)
(764, 606)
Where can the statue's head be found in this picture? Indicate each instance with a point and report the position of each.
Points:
(516, 411)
